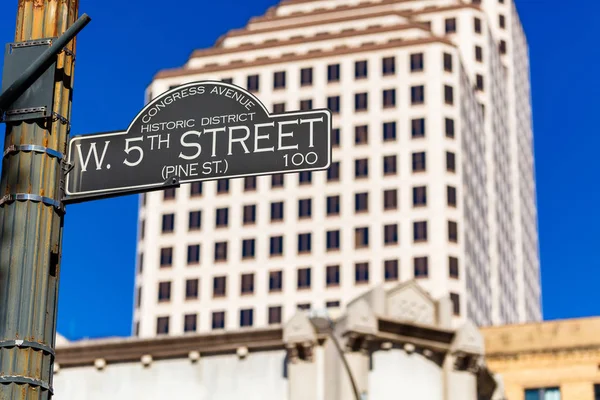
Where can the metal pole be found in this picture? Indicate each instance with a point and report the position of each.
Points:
(30, 229)
(338, 346)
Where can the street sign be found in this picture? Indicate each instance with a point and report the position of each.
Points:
(195, 132)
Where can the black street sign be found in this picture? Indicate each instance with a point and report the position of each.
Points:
(195, 132)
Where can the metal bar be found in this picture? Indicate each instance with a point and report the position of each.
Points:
(31, 231)
(35, 70)
(340, 351)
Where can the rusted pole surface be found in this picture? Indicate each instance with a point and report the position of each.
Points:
(31, 232)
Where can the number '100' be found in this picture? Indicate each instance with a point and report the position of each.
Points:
(298, 159)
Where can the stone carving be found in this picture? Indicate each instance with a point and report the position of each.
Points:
(468, 340)
(410, 303)
(299, 330)
(360, 318)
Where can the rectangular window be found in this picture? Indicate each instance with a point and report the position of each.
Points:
(502, 21)
(305, 178)
(419, 162)
(306, 76)
(218, 320)
(450, 162)
(277, 211)
(389, 98)
(304, 243)
(479, 82)
(195, 220)
(304, 278)
(190, 322)
(162, 325)
(449, 127)
(249, 183)
(333, 73)
(450, 24)
(417, 94)
(418, 127)
(452, 231)
(333, 240)
(421, 267)
(276, 245)
(196, 189)
(277, 181)
(360, 69)
(420, 231)
(142, 229)
(333, 173)
(168, 223)
(227, 80)
(390, 270)
(253, 83)
(275, 281)
(332, 275)
(191, 289)
(419, 196)
(361, 237)
(448, 95)
(388, 66)
(389, 165)
(390, 234)
(478, 54)
(166, 257)
(306, 104)
(278, 108)
(502, 47)
(451, 196)
(333, 104)
(219, 286)
(303, 306)
(249, 214)
(416, 62)
(304, 208)
(169, 194)
(222, 217)
(274, 315)
(389, 131)
(221, 251)
(390, 199)
(140, 263)
(361, 134)
(596, 392)
(477, 25)
(453, 267)
(543, 394)
(164, 292)
(361, 202)
(447, 62)
(332, 304)
(361, 101)
(138, 297)
(361, 168)
(193, 254)
(455, 299)
(335, 137)
(361, 273)
(279, 80)
(247, 284)
(248, 246)
(333, 205)
(222, 186)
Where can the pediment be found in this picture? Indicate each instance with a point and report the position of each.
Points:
(299, 329)
(360, 318)
(410, 303)
(469, 340)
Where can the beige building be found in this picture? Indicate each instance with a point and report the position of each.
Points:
(555, 360)
(398, 344)
(432, 176)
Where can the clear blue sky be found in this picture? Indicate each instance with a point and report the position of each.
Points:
(129, 41)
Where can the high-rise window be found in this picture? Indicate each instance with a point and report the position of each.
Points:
(222, 186)
(390, 234)
(477, 25)
(306, 104)
(361, 202)
(279, 80)
(169, 194)
(361, 134)
(190, 322)
(448, 95)
(333, 205)
(479, 82)
(502, 21)
(164, 292)
(278, 108)
(333, 104)
(275, 281)
(306, 76)
(277, 181)
(303, 306)
(252, 83)
(450, 25)
(218, 320)
(304, 208)
(389, 98)
(138, 297)
(332, 304)
(276, 245)
(449, 124)
(453, 267)
(332, 275)
(333, 173)
(390, 270)
(221, 251)
(390, 199)
(361, 237)
(335, 137)
(419, 162)
(142, 229)
(304, 243)
(277, 211)
(333, 73)
(450, 162)
(452, 231)
(360, 69)
(196, 189)
(389, 165)
(305, 177)
(447, 62)
(502, 47)
(361, 168)
(222, 217)
(361, 273)
(249, 214)
(478, 54)
(361, 101)
(140, 263)
(195, 220)
(420, 231)
(416, 62)
(247, 284)
(421, 267)
(227, 80)
(249, 183)
(246, 317)
(417, 94)
(451, 196)
(455, 299)
(419, 196)
(168, 223)
(162, 325)
(418, 127)
(248, 247)
(193, 254)
(274, 315)
(191, 289)
(219, 286)
(388, 66)
(389, 131)
(166, 257)
(303, 278)
(333, 240)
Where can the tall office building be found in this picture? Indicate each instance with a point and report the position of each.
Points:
(432, 176)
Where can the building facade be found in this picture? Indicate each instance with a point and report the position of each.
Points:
(432, 176)
(397, 344)
(554, 360)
